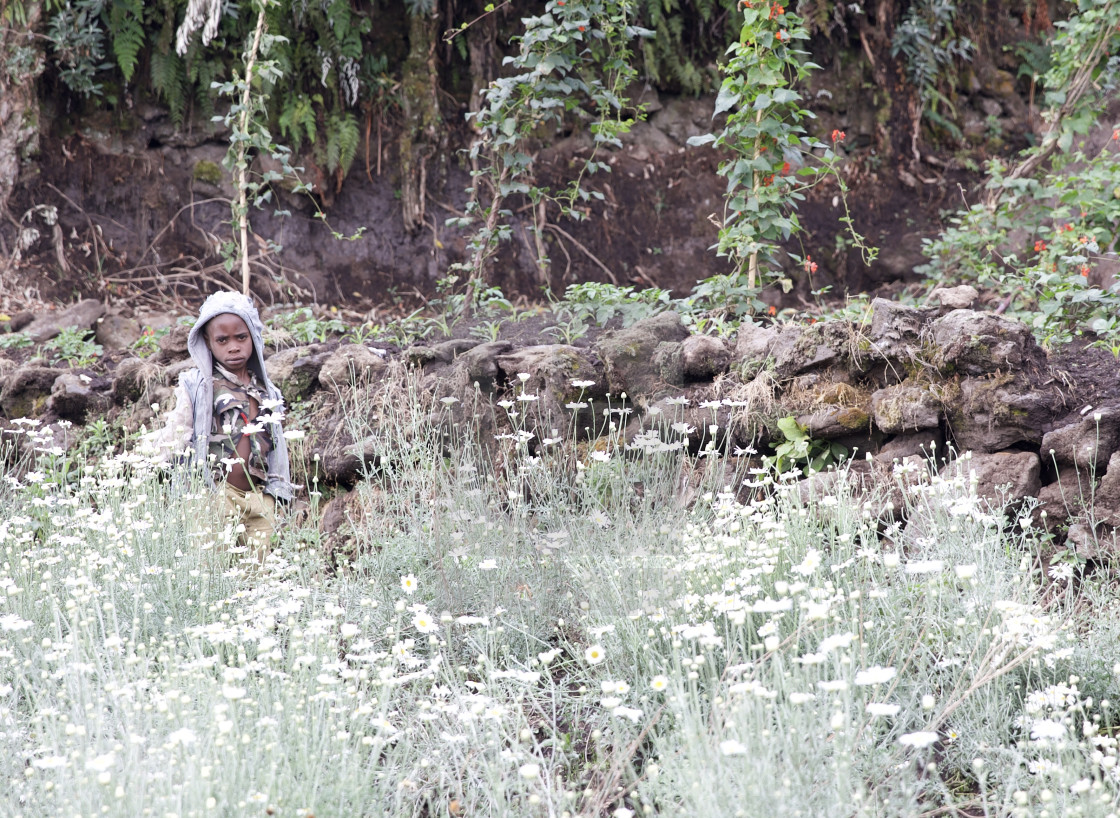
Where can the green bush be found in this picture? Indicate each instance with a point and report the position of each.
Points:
(74, 347)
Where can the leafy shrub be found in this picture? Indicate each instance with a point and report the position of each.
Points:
(601, 302)
(1047, 219)
(74, 346)
(14, 340)
(302, 326)
(799, 451)
(148, 342)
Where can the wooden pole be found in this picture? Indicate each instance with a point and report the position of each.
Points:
(245, 117)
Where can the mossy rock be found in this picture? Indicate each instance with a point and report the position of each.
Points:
(830, 422)
(992, 414)
(905, 408)
(26, 391)
(974, 343)
(643, 359)
(206, 171)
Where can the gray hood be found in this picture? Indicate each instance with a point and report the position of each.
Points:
(235, 304)
(198, 384)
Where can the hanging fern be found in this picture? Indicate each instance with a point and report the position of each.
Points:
(343, 138)
(126, 30)
(690, 36)
(203, 73)
(297, 119)
(169, 81)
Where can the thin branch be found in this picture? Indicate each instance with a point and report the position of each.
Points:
(585, 251)
(1078, 86)
(451, 34)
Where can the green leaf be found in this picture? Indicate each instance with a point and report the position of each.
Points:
(793, 430)
(726, 99)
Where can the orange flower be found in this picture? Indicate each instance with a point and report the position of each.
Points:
(810, 265)
(785, 168)
(1085, 270)
(583, 28)
(1040, 246)
(838, 135)
(772, 311)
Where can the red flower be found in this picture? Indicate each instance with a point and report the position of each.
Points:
(772, 311)
(1085, 270)
(1069, 228)
(775, 11)
(1040, 246)
(779, 36)
(810, 265)
(785, 168)
(583, 28)
(838, 135)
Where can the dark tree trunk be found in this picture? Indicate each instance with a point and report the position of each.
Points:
(482, 47)
(898, 136)
(423, 123)
(21, 62)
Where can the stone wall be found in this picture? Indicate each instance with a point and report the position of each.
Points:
(905, 383)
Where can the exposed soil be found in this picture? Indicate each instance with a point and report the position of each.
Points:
(141, 221)
(1091, 376)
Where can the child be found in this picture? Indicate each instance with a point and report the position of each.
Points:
(227, 415)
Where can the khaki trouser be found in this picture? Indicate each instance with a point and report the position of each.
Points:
(256, 511)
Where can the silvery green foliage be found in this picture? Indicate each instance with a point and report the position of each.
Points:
(204, 15)
(531, 626)
(78, 40)
(573, 63)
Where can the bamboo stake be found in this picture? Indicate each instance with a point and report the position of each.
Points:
(245, 116)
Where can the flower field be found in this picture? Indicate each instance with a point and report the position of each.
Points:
(542, 632)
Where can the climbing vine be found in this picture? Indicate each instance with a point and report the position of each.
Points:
(770, 164)
(572, 67)
(1040, 235)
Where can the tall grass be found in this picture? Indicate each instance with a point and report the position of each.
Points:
(543, 630)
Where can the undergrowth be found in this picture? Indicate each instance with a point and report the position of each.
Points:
(541, 623)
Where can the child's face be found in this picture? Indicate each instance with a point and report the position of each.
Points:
(230, 342)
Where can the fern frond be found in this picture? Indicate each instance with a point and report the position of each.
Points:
(203, 74)
(297, 120)
(126, 30)
(349, 137)
(169, 80)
